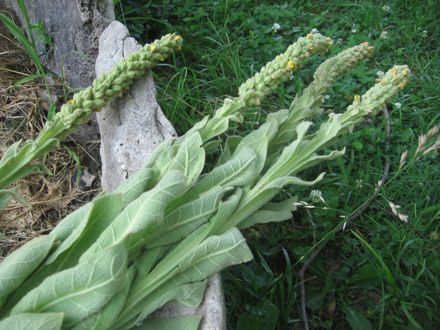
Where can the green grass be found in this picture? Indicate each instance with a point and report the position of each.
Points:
(379, 273)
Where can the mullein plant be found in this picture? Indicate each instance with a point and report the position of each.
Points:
(163, 232)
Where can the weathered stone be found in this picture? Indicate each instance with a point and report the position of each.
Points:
(74, 27)
(131, 127)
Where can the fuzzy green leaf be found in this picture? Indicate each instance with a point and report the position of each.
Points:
(21, 263)
(105, 318)
(101, 213)
(142, 217)
(190, 158)
(271, 212)
(26, 321)
(80, 291)
(185, 219)
(240, 170)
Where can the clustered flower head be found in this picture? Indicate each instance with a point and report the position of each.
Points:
(332, 68)
(278, 70)
(105, 88)
(375, 98)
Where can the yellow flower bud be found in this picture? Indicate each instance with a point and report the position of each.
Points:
(291, 65)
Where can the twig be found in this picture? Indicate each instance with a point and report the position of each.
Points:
(361, 209)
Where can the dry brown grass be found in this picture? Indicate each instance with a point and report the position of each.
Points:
(22, 114)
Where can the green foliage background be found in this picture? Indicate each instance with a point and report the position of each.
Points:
(347, 285)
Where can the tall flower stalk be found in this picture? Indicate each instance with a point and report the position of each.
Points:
(17, 160)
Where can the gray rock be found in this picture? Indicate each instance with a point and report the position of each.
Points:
(131, 127)
(74, 27)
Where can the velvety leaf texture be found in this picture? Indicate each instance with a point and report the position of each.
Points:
(27, 321)
(16, 267)
(80, 291)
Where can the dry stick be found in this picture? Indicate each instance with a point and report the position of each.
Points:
(361, 209)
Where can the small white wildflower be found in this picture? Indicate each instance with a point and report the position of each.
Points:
(397, 105)
(340, 41)
(384, 35)
(424, 33)
(316, 196)
(386, 8)
(276, 27)
(353, 28)
(315, 30)
(326, 97)
(380, 74)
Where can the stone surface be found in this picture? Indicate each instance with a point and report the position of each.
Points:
(131, 127)
(74, 27)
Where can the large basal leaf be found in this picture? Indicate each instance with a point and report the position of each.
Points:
(190, 158)
(21, 263)
(105, 318)
(213, 255)
(186, 218)
(101, 213)
(271, 212)
(27, 321)
(226, 209)
(80, 291)
(141, 217)
(141, 181)
(145, 262)
(231, 144)
(65, 227)
(181, 323)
